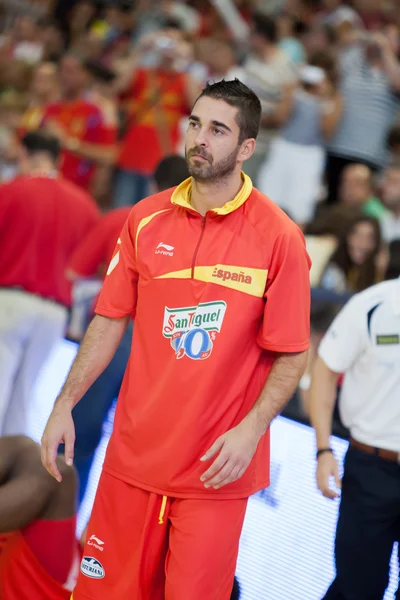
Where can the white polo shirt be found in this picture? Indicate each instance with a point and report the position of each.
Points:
(364, 343)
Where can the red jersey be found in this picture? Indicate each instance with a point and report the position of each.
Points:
(22, 577)
(84, 121)
(42, 219)
(94, 253)
(214, 298)
(155, 103)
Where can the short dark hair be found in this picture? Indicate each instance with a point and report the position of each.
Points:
(325, 60)
(236, 94)
(393, 268)
(266, 27)
(322, 315)
(40, 141)
(170, 172)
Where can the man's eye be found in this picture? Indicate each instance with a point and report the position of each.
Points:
(218, 131)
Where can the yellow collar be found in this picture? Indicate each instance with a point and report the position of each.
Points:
(181, 196)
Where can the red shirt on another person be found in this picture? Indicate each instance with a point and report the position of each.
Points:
(93, 255)
(156, 102)
(39, 563)
(83, 121)
(42, 219)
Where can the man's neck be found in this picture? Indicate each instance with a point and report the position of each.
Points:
(45, 99)
(72, 96)
(207, 196)
(42, 168)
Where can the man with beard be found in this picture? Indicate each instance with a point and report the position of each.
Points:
(217, 279)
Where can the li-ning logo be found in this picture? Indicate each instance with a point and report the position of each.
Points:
(241, 277)
(165, 249)
(96, 543)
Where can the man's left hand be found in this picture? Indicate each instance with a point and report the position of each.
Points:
(235, 449)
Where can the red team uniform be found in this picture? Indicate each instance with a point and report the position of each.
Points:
(23, 574)
(86, 122)
(94, 253)
(214, 298)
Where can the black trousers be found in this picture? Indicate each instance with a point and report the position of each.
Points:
(368, 526)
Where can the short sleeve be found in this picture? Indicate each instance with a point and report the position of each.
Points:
(286, 321)
(345, 340)
(118, 296)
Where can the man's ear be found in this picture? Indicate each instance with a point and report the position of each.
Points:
(247, 149)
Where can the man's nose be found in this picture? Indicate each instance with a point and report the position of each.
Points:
(201, 138)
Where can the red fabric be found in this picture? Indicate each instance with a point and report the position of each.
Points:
(185, 550)
(41, 222)
(141, 148)
(84, 121)
(92, 256)
(54, 545)
(209, 296)
(22, 577)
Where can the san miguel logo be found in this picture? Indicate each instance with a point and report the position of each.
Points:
(192, 331)
(226, 275)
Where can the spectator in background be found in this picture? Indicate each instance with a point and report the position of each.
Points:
(42, 219)
(355, 263)
(272, 75)
(44, 90)
(39, 553)
(219, 60)
(288, 38)
(114, 29)
(370, 85)
(292, 173)
(356, 190)
(79, 125)
(80, 18)
(103, 95)
(91, 259)
(53, 38)
(391, 197)
(155, 100)
(23, 41)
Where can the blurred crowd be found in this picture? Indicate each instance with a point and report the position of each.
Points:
(114, 81)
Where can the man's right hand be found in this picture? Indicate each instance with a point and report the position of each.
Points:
(327, 467)
(59, 429)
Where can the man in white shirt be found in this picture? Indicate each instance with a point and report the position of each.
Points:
(364, 343)
(391, 197)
